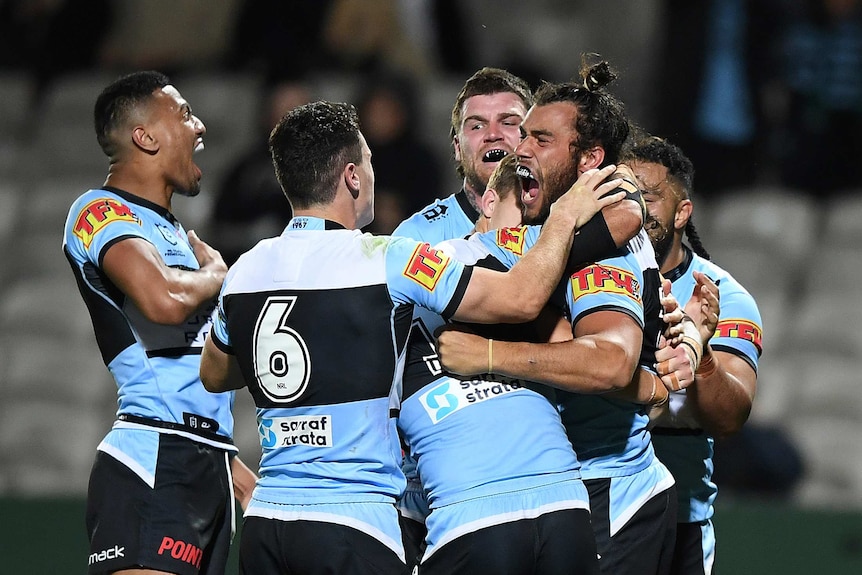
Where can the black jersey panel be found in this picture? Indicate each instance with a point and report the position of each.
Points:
(328, 345)
(109, 325)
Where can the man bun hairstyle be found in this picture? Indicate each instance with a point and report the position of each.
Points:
(601, 119)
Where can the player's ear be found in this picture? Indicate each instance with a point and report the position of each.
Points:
(144, 139)
(591, 158)
(683, 213)
(488, 202)
(351, 179)
(456, 147)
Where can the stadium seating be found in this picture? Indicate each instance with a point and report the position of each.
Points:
(798, 258)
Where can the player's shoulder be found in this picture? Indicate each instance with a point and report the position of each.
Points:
(96, 210)
(436, 221)
(725, 280)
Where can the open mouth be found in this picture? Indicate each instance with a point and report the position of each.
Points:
(529, 185)
(494, 155)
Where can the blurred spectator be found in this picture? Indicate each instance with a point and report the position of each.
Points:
(760, 461)
(368, 35)
(438, 28)
(407, 170)
(716, 64)
(823, 71)
(168, 35)
(280, 38)
(250, 204)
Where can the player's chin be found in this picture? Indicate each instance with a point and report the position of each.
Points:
(190, 190)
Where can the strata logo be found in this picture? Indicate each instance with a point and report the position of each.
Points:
(308, 430)
(182, 551)
(453, 395)
(439, 402)
(114, 553)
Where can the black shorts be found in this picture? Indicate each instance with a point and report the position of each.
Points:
(413, 537)
(692, 539)
(556, 543)
(644, 545)
(184, 524)
(275, 547)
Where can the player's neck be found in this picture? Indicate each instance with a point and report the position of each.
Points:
(141, 186)
(675, 257)
(473, 196)
(482, 225)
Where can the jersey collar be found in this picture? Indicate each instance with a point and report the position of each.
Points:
(312, 223)
(132, 198)
(466, 206)
(680, 270)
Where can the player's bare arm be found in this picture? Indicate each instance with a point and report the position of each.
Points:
(163, 294)
(219, 370)
(243, 481)
(520, 294)
(601, 358)
(723, 392)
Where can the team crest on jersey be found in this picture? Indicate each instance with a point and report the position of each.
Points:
(605, 279)
(426, 266)
(512, 239)
(167, 233)
(741, 329)
(435, 212)
(98, 214)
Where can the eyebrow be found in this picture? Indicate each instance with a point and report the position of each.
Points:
(481, 118)
(537, 132)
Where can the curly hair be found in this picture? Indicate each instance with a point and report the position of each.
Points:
(656, 150)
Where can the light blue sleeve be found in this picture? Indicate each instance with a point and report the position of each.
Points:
(611, 284)
(508, 245)
(97, 220)
(417, 273)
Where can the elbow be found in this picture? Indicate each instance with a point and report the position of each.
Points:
(525, 310)
(166, 311)
(616, 373)
(208, 380)
(730, 425)
(211, 383)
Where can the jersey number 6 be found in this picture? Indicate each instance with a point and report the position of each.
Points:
(282, 364)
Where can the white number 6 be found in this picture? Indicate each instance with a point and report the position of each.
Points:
(281, 360)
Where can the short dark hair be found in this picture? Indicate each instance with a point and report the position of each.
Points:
(310, 146)
(656, 150)
(484, 82)
(119, 99)
(601, 119)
